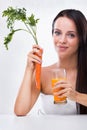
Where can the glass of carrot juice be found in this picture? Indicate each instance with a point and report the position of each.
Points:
(58, 75)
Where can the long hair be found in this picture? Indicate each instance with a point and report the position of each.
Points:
(81, 26)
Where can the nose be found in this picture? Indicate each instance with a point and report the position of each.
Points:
(62, 39)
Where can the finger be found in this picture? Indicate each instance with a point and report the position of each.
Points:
(63, 91)
(31, 52)
(34, 58)
(61, 82)
(36, 46)
(62, 86)
(37, 52)
(67, 92)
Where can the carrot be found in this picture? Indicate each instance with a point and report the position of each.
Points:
(38, 72)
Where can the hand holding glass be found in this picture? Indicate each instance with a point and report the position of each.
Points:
(58, 75)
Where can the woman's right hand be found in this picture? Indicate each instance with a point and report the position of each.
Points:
(28, 92)
(34, 56)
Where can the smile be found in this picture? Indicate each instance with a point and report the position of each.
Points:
(62, 48)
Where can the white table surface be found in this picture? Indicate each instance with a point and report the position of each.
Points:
(43, 122)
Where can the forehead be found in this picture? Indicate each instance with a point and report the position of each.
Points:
(65, 23)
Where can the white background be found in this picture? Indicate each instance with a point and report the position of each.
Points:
(13, 61)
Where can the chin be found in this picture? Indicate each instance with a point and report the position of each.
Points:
(62, 56)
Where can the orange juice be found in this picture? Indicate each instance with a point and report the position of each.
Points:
(56, 98)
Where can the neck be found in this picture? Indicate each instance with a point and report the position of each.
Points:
(68, 64)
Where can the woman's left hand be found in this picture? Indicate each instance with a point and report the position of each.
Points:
(66, 91)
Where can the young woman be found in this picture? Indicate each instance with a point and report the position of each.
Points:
(69, 31)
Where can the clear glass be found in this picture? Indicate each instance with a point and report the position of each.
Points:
(58, 75)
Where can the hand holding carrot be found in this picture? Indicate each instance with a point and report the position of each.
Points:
(35, 61)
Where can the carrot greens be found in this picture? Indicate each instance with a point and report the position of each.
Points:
(19, 14)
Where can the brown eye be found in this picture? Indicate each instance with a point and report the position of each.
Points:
(71, 35)
(57, 33)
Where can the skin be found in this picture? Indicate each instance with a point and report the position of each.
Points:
(66, 42)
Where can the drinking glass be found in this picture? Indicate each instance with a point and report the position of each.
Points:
(58, 75)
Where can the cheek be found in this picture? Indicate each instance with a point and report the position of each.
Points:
(55, 40)
(74, 43)
(74, 46)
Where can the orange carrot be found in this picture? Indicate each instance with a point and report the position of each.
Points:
(38, 72)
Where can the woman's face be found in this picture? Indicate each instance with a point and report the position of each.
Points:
(65, 37)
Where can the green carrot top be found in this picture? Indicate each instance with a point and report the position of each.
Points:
(18, 14)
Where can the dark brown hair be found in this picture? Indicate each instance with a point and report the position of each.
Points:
(81, 26)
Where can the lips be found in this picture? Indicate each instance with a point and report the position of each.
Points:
(62, 48)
